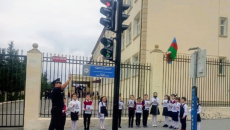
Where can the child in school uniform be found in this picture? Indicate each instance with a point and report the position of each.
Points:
(87, 108)
(132, 106)
(146, 106)
(64, 114)
(75, 108)
(138, 111)
(154, 110)
(175, 113)
(103, 112)
(183, 113)
(170, 106)
(165, 109)
(198, 114)
(121, 104)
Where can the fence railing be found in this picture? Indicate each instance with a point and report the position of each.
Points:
(213, 90)
(12, 88)
(135, 80)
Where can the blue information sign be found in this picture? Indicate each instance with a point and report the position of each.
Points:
(194, 109)
(102, 71)
(98, 71)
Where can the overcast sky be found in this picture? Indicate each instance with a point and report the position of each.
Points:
(58, 26)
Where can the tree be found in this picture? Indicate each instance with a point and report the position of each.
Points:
(45, 84)
(12, 72)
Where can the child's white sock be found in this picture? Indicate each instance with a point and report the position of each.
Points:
(166, 120)
(173, 123)
(103, 123)
(198, 125)
(155, 120)
(74, 125)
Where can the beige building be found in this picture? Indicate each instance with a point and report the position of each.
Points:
(194, 23)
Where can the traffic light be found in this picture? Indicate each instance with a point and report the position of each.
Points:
(107, 51)
(124, 17)
(110, 13)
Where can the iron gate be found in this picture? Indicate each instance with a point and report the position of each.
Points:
(134, 80)
(12, 89)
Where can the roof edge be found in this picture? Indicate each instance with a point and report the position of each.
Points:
(98, 41)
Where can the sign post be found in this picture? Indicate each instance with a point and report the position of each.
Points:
(197, 69)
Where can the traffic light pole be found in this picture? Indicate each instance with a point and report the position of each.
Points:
(117, 65)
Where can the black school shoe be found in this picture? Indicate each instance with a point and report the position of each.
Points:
(119, 126)
(165, 125)
(170, 127)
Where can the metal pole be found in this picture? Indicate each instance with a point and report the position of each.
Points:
(195, 68)
(117, 65)
(194, 95)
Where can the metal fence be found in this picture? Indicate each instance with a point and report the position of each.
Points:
(213, 90)
(134, 80)
(12, 88)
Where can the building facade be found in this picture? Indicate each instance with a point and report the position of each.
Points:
(194, 23)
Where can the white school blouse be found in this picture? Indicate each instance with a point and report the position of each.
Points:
(176, 107)
(165, 103)
(76, 108)
(155, 101)
(170, 105)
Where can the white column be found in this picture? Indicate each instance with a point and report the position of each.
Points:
(33, 87)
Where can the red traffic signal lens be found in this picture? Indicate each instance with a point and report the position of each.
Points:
(108, 4)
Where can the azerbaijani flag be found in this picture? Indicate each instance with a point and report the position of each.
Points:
(172, 51)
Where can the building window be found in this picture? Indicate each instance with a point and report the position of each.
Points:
(130, 2)
(137, 25)
(135, 65)
(122, 41)
(221, 66)
(129, 35)
(223, 26)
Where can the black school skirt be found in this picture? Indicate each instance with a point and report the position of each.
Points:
(175, 116)
(198, 118)
(155, 110)
(104, 111)
(170, 114)
(165, 111)
(74, 116)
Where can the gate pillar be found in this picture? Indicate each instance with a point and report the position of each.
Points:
(33, 87)
(156, 80)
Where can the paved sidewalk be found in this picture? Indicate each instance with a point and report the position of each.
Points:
(222, 124)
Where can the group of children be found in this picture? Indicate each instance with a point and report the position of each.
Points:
(173, 107)
(74, 107)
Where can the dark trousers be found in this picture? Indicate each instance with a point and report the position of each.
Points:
(63, 120)
(87, 118)
(131, 116)
(138, 119)
(119, 117)
(183, 123)
(145, 117)
(56, 115)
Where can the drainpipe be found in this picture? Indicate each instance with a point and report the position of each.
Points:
(139, 59)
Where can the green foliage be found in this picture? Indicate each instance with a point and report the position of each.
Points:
(12, 72)
(45, 84)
